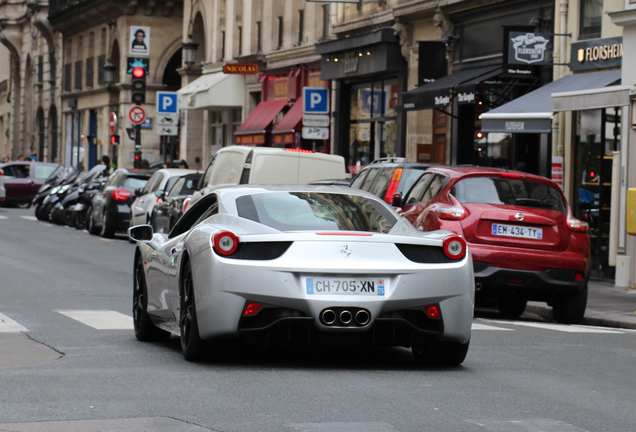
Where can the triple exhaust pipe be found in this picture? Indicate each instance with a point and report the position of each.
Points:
(345, 317)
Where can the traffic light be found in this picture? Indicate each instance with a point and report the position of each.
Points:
(114, 139)
(137, 160)
(138, 95)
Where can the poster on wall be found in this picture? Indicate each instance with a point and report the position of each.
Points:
(139, 40)
(557, 170)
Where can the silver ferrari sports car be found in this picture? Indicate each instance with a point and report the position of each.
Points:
(302, 264)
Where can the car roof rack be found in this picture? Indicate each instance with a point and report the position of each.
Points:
(389, 159)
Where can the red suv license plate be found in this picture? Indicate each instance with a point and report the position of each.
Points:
(517, 231)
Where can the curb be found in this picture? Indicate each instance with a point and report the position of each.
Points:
(599, 321)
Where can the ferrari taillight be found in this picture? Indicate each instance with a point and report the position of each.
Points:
(395, 180)
(454, 247)
(577, 225)
(225, 243)
(252, 308)
(121, 194)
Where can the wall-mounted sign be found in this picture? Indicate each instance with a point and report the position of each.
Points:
(240, 68)
(528, 48)
(139, 40)
(597, 54)
(432, 64)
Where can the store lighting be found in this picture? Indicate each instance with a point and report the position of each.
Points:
(335, 59)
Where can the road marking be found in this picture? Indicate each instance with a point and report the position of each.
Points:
(7, 325)
(31, 218)
(3, 217)
(477, 326)
(559, 327)
(101, 319)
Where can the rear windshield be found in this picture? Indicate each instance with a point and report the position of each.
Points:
(135, 182)
(516, 192)
(226, 168)
(311, 211)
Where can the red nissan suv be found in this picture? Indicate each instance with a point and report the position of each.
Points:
(525, 243)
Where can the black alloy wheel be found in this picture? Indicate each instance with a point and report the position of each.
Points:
(145, 330)
(92, 229)
(440, 353)
(192, 346)
(107, 230)
(570, 309)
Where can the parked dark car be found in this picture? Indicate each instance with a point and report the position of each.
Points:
(169, 210)
(23, 179)
(389, 176)
(110, 208)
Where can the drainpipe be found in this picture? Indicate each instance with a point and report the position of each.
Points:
(563, 13)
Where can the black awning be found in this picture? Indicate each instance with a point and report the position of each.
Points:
(532, 112)
(438, 94)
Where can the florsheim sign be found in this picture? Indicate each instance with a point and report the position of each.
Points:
(597, 54)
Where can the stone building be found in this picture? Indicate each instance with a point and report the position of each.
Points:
(33, 80)
(5, 102)
(95, 33)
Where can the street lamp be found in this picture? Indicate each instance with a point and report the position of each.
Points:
(189, 51)
(109, 73)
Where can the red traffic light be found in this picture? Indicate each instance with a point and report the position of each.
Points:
(113, 140)
(137, 157)
(139, 72)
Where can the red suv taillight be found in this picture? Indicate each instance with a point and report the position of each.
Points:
(395, 180)
(577, 225)
(121, 194)
(454, 247)
(225, 242)
(451, 213)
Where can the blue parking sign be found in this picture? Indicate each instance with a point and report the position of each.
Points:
(167, 103)
(315, 100)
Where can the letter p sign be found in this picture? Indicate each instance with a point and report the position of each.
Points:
(167, 103)
(315, 100)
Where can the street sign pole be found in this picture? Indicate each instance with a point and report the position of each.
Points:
(138, 137)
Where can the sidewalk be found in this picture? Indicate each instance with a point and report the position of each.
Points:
(606, 306)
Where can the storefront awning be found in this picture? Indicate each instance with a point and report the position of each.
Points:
(285, 132)
(213, 90)
(438, 94)
(252, 130)
(606, 97)
(532, 113)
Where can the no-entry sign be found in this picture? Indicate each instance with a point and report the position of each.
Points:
(137, 115)
(112, 123)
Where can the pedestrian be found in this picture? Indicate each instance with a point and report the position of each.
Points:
(183, 164)
(167, 164)
(6, 159)
(145, 164)
(20, 157)
(106, 161)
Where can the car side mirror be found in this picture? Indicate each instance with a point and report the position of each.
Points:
(142, 233)
(159, 193)
(396, 199)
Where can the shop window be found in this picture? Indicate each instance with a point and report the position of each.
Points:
(78, 75)
(259, 36)
(301, 26)
(89, 71)
(240, 40)
(280, 32)
(325, 21)
(218, 130)
(591, 18)
(235, 120)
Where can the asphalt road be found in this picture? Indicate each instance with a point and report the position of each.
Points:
(65, 369)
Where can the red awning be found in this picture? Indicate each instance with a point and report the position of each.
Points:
(261, 117)
(292, 122)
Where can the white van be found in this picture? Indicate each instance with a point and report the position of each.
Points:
(266, 165)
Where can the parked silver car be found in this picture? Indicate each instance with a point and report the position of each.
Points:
(303, 264)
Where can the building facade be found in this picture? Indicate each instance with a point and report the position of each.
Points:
(33, 45)
(124, 34)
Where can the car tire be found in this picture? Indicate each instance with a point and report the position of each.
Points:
(440, 353)
(511, 306)
(570, 309)
(145, 330)
(192, 346)
(38, 211)
(92, 229)
(107, 230)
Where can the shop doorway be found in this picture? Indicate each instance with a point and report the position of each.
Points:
(597, 136)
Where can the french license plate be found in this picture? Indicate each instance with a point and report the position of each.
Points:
(341, 286)
(517, 231)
